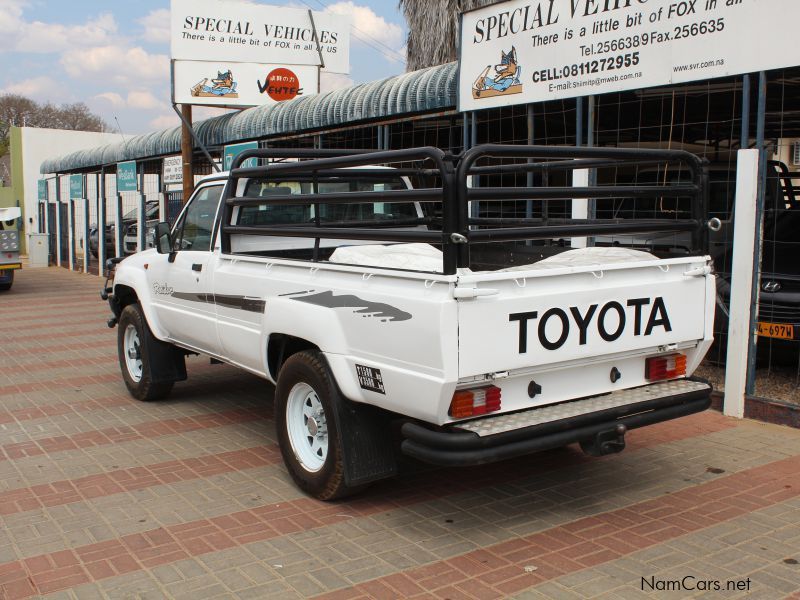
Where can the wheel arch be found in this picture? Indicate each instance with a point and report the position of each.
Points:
(280, 346)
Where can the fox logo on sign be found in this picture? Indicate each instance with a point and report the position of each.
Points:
(281, 84)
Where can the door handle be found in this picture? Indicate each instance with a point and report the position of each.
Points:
(197, 267)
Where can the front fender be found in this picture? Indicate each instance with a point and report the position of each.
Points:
(131, 274)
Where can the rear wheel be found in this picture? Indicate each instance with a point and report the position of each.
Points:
(4, 287)
(133, 340)
(306, 398)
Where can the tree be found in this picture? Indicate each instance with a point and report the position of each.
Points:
(433, 30)
(19, 111)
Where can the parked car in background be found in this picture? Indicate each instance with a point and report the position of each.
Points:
(130, 241)
(128, 219)
(778, 317)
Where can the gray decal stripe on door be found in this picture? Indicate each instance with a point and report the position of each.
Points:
(239, 302)
(368, 308)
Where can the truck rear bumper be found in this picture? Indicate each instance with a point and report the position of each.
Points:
(455, 446)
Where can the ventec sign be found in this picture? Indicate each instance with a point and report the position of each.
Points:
(211, 30)
(525, 51)
(240, 84)
(126, 176)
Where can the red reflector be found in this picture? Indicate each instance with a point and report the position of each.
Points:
(475, 402)
(670, 366)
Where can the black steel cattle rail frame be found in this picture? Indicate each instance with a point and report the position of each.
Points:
(458, 229)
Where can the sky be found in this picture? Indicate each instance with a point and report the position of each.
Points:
(114, 56)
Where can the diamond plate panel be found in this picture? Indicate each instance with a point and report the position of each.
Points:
(556, 412)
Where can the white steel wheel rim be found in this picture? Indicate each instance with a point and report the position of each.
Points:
(307, 426)
(132, 347)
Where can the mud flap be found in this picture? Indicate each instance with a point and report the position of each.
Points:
(167, 362)
(367, 443)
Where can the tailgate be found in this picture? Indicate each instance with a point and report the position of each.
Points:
(538, 319)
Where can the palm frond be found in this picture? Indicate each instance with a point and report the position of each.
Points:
(433, 30)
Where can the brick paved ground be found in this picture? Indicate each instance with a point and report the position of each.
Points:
(102, 496)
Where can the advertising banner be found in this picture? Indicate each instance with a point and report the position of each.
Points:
(240, 84)
(76, 186)
(525, 51)
(231, 151)
(126, 176)
(211, 30)
(42, 190)
(172, 170)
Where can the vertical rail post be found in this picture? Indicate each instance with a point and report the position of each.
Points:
(58, 221)
(740, 327)
(744, 142)
(473, 141)
(86, 234)
(759, 229)
(141, 217)
(71, 232)
(118, 233)
(101, 223)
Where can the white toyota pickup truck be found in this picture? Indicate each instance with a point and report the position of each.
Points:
(449, 306)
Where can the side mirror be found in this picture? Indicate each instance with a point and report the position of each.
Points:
(163, 239)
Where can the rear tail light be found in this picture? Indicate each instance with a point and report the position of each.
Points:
(475, 402)
(670, 366)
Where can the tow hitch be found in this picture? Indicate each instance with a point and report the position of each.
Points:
(605, 442)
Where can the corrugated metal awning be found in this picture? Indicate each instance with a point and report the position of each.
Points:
(416, 92)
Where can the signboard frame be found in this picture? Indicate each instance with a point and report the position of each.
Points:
(248, 84)
(76, 186)
(211, 30)
(172, 174)
(528, 51)
(231, 151)
(127, 183)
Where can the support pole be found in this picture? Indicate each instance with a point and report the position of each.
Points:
(101, 224)
(58, 221)
(529, 175)
(739, 323)
(71, 233)
(141, 219)
(745, 139)
(759, 228)
(580, 177)
(473, 129)
(85, 203)
(118, 233)
(186, 151)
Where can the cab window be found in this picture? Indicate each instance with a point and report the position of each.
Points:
(194, 230)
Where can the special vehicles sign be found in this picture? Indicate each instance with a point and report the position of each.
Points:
(210, 30)
(533, 50)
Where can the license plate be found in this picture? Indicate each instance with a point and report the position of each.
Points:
(776, 330)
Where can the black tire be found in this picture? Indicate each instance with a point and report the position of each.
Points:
(4, 287)
(328, 481)
(143, 387)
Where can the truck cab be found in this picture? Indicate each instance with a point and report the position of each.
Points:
(9, 246)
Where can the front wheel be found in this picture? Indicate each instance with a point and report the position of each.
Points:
(134, 338)
(306, 398)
